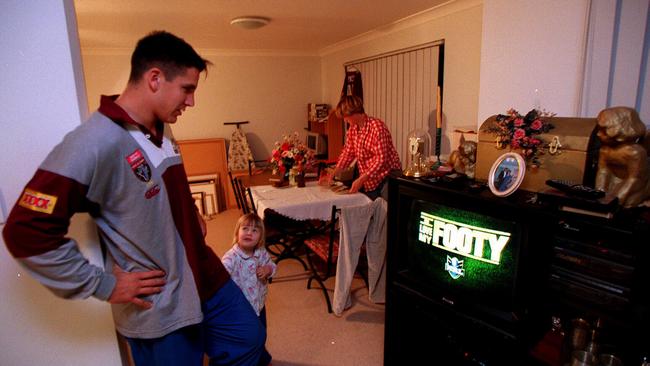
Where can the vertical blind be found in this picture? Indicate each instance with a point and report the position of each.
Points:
(401, 88)
(617, 57)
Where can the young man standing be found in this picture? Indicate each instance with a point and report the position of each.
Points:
(172, 298)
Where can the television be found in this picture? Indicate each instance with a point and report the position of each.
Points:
(317, 143)
(461, 258)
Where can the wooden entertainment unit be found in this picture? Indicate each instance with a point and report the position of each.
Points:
(463, 300)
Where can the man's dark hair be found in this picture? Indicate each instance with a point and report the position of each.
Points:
(166, 51)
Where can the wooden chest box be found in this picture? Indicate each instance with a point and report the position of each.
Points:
(576, 159)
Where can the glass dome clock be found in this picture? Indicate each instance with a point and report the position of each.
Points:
(419, 149)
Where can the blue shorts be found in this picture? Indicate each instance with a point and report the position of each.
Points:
(230, 334)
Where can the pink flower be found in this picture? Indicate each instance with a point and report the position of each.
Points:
(289, 153)
(536, 125)
(519, 134)
(514, 144)
(515, 130)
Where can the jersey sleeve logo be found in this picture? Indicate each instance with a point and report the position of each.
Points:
(37, 201)
(139, 165)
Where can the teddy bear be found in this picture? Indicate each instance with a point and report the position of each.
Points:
(463, 160)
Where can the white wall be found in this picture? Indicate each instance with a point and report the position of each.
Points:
(531, 45)
(269, 90)
(272, 90)
(458, 23)
(41, 101)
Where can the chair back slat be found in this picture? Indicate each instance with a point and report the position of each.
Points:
(234, 190)
(244, 196)
(250, 197)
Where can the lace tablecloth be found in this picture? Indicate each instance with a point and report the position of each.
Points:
(310, 202)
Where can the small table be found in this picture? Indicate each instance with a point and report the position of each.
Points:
(312, 202)
(307, 203)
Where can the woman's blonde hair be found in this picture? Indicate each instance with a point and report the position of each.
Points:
(251, 219)
(349, 105)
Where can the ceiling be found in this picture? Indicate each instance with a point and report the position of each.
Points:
(305, 26)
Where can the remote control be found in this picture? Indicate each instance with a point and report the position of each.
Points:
(575, 189)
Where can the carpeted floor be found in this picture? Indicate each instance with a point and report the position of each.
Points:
(300, 331)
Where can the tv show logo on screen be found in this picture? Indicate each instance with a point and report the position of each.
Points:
(455, 267)
(466, 240)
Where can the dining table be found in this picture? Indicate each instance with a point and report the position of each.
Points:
(310, 206)
(362, 219)
(312, 202)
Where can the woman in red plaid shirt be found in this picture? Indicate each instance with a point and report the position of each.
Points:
(369, 142)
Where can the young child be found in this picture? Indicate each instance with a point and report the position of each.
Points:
(250, 266)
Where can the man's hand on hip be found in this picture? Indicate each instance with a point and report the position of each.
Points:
(131, 285)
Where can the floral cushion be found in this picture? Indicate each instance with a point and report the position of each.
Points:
(319, 244)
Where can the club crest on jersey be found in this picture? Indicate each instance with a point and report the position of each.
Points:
(37, 201)
(139, 166)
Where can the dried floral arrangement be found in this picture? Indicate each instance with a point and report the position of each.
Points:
(522, 133)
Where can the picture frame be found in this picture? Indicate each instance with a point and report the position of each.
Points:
(506, 174)
(199, 201)
(207, 186)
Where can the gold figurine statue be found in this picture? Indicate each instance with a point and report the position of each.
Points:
(623, 162)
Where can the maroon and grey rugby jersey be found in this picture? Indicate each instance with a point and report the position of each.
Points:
(133, 184)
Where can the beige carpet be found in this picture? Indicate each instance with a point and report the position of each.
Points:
(300, 331)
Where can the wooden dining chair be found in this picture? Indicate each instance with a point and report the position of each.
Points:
(284, 236)
(282, 233)
(243, 196)
(322, 254)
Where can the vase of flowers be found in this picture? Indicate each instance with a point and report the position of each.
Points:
(290, 153)
(521, 133)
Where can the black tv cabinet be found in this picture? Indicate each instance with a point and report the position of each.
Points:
(567, 265)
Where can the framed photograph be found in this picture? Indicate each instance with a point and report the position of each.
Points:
(209, 190)
(506, 174)
(199, 201)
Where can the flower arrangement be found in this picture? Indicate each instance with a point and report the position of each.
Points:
(521, 132)
(289, 153)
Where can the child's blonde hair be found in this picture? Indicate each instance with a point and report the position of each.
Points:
(253, 220)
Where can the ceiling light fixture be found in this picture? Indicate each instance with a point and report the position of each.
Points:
(250, 22)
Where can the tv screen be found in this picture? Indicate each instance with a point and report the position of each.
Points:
(468, 259)
(312, 140)
(317, 143)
